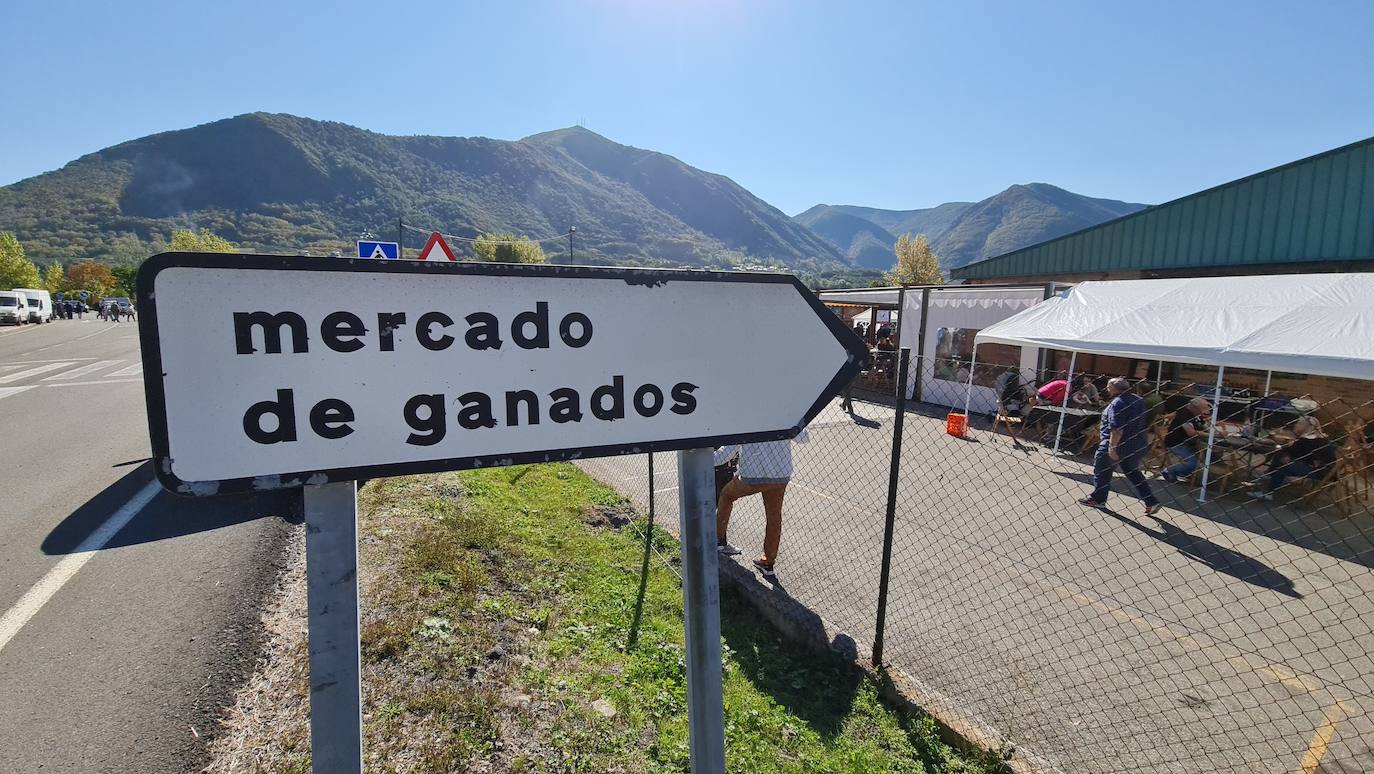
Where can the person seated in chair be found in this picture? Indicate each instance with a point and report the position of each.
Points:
(884, 357)
(1013, 396)
(1310, 455)
(1085, 394)
(1186, 429)
(1052, 392)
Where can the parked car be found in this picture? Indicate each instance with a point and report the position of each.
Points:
(14, 308)
(40, 304)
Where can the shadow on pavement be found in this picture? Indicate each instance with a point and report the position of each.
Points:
(166, 516)
(865, 422)
(1219, 558)
(1344, 539)
(819, 688)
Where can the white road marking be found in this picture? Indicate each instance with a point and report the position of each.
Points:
(39, 594)
(5, 392)
(51, 360)
(134, 370)
(82, 371)
(35, 371)
(69, 341)
(95, 381)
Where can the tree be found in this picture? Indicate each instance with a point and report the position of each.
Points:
(16, 271)
(916, 263)
(184, 241)
(125, 274)
(95, 278)
(127, 248)
(508, 248)
(54, 278)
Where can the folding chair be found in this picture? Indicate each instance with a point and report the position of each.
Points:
(1157, 455)
(1009, 422)
(1226, 468)
(1333, 485)
(1092, 435)
(1359, 462)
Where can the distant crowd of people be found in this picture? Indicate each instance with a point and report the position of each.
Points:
(111, 311)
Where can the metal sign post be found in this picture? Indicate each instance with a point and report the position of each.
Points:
(331, 570)
(701, 605)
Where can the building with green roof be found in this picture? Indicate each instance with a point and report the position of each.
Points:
(1311, 215)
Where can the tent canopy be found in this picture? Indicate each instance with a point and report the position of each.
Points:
(1304, 323)
(862, 296)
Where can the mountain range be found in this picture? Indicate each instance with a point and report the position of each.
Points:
(285, 184)
(962, 232)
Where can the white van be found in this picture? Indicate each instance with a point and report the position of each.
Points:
(14, 308)
(40, 304)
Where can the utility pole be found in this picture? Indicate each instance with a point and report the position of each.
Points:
(571, 230)
(400, 238)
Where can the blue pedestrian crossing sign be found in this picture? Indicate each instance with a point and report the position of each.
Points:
(379, 250)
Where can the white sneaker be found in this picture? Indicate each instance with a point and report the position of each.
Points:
(726, 549)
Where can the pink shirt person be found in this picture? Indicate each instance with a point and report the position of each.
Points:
(1053, 392)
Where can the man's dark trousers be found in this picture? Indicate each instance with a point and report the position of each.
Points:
(1129, 465)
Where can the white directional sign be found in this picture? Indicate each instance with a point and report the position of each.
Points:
(268, 371)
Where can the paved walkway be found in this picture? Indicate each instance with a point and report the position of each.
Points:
(1225, 637)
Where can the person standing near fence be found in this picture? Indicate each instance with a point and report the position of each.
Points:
(764, 469)
(1123, 446)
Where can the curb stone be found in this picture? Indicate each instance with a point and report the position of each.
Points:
(798, 623)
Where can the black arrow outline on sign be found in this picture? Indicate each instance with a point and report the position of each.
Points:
(156, 398)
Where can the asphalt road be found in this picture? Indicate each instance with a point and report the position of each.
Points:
(120, 663)
(1233, 637)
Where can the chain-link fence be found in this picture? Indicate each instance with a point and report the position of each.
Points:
(1221, 621)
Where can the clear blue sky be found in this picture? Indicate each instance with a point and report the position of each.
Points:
(889, 104)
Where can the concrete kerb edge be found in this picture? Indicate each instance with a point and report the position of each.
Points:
(802, 625)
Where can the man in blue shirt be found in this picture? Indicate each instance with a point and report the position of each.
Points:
(1124, 428)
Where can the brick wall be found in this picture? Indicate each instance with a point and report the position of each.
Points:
(1342, 400)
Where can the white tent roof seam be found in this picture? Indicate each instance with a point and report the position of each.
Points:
(1321, 324)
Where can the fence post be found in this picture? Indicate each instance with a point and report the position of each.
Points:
(894, 468)
(644, 566)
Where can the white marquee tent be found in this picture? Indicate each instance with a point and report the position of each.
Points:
(1304, 323)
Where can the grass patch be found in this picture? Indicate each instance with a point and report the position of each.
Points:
(497, 606)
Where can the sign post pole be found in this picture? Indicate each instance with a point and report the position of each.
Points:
(701, 602)
(331, 567)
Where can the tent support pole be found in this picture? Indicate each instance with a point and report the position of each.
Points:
(897, 326)
(1159, 376)
(1211, 434)
(921, 348)
(1268, 379)
(1064, 404)
(968, 396)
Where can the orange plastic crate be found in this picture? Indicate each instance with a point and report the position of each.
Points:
(956, 424)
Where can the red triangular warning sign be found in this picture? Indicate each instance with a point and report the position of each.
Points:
(436, 239)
